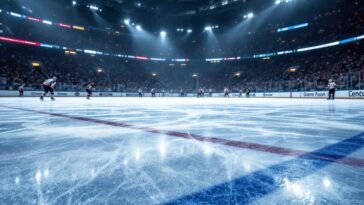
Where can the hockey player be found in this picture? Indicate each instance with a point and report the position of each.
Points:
(199, 93)
(89, 88)
(163, 92)
(21, 90)
(140, 92)
(240, 93)
(152, 91)
(332, 87)
(182, 93)
(226, 93)
(210, 92)
(247, 92)
(48, 86)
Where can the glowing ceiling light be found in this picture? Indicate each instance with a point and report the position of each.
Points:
(127, 21)
(138, 27)
(208, 28)
(250, 15)
(163, 34)
(92, 7)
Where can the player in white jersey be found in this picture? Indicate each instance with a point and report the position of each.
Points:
(140, 92)
(226, 92)
(21, 90)
(48, 86)
(181, 93)
(332, 87)
(210, 92)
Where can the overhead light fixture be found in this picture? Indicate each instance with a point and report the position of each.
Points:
(208, 28)
(127, 21)
(249, 15)
(163, 34)
(138, 27)
(189, 30)
(93, 7)
(74, 3)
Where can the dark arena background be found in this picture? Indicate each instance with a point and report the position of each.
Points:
(182, 102)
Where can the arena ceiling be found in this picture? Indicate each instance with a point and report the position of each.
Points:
(175, 7)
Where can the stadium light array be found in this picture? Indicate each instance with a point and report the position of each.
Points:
(163, 34)
(249, 15)
(277, 2)
(35, 64)
(94, 8)
(208, 28)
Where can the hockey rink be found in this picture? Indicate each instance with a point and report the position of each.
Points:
(181, 151)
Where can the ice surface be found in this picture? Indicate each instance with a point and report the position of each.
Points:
(48, 159)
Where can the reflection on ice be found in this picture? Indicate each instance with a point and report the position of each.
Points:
(46, 173)
(125, 162)
(137, 154)
(247, 167)
(162, 148)
(38, 176)
(326, 182)
(207, 150)
(54, 160)
(17, 180)
(299, 191)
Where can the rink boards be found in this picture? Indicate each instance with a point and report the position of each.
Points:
(357, 94)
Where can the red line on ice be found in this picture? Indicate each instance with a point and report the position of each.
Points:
(216, 140)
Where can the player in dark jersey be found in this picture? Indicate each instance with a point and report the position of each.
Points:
(199, 93)
(21, 90)
(152, 91)
(48, 86)
(247, 92)
(89, 89)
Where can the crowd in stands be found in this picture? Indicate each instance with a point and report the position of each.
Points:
(312, 69)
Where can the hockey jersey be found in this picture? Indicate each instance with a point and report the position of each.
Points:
(50, 82)
(331, 85)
